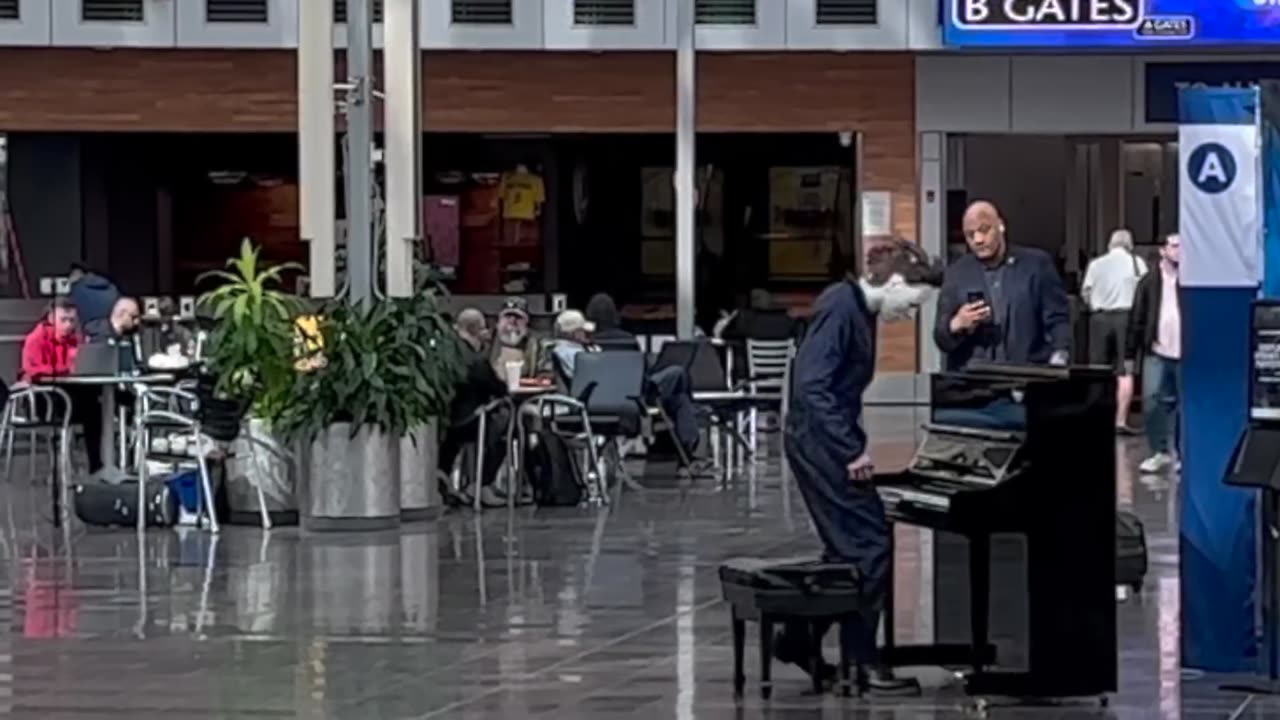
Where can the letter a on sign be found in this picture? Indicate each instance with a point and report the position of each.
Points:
(1212, 169)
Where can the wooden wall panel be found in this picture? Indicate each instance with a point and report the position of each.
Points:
(81, 90)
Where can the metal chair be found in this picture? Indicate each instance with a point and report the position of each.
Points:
(38, 409)
(766, 368)
(165, 408)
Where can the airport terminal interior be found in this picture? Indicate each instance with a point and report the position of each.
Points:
(529, 377)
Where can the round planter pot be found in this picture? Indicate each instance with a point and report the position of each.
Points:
(419, 455)
(260, 459)
(353, 480)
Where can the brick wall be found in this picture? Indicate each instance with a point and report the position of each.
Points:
(254, 91)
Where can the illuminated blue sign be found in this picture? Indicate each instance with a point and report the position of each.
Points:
(1109, 23)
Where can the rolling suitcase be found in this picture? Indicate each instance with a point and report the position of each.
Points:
(1131, 551)
(107, 505)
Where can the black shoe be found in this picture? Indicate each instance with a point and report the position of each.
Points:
(790, 652)
(883, 684)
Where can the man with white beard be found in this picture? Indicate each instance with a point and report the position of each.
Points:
(513, 342)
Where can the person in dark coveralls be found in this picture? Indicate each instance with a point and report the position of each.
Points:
(826, 446)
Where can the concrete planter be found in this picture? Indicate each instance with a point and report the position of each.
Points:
(352, 480)
(260, 459)
(419, 454)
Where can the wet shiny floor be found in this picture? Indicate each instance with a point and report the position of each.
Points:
(542, 614)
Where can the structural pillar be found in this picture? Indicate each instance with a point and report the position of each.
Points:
(686, 160)
(402, 157)
(316, 152)
(359, 151)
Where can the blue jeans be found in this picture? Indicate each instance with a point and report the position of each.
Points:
(1160, 391)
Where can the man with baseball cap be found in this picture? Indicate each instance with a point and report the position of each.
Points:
(512, 340)
(670, 386)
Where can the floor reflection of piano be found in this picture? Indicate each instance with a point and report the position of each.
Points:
(1028, 451)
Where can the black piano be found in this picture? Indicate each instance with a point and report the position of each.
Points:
(1024, 451)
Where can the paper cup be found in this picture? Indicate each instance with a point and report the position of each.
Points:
(514, 370)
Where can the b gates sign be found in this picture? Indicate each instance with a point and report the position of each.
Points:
(1110, 23)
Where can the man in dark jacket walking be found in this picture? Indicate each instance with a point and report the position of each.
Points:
(1155, 338)
(94, 297)
(828, 450)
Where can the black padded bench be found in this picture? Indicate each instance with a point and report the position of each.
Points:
(779, 590)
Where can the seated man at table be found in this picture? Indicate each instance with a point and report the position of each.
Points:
(670, 386)
(479, 386)
(514, 342)
(49, 350)
(122, 329)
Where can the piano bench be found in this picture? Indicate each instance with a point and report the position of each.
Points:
(781, 590)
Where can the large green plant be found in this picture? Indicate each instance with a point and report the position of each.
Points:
(392, 365)
(251, 351)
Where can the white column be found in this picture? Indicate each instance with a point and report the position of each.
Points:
(402, 158)
(686, 160)
(317, 173)
(359, 167)
(933, 235)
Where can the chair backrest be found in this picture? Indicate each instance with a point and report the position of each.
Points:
(616, 379)
(618, 344)
(767, 362)
(707, 370)
(677, 353)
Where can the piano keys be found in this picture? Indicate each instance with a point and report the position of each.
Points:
(1028, 451)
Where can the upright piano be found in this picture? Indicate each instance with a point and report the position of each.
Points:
(1027, 451)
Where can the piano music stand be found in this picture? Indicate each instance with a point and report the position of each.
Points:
(1256, 464)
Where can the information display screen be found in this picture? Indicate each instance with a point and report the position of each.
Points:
(1264, 383)
(1110, 23)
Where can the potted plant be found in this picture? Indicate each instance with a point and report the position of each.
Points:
(251, 357)
(386, 370)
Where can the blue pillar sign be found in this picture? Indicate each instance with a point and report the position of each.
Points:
(1219, 274)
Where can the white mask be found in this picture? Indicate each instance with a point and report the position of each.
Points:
(895, 300)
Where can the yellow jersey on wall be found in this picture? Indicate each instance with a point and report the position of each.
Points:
(523, 193)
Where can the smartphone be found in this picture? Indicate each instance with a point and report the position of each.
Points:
(976, 296)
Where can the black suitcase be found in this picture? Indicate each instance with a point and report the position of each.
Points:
(107, 505)
(1131, 551)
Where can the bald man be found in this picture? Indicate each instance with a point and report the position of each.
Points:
(1001, 303)
(479, 385)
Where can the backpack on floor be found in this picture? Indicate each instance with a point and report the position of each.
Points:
(551, 471)
(107, 505)
(1131, 551)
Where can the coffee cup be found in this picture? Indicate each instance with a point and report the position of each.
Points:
(515, 369)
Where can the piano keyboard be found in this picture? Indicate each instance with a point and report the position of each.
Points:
(941, 503)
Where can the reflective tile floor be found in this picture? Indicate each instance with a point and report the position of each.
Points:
(545, 614)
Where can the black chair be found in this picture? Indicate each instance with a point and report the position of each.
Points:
(610, 386)
(712, 388)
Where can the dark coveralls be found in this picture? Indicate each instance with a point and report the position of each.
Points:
(832, 370)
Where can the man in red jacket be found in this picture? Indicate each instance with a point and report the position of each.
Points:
(50, 349)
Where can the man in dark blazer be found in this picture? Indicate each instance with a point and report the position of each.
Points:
(1001, 303)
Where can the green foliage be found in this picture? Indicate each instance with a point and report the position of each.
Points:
(392, 365)
(252, 346)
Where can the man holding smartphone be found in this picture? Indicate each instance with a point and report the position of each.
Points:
(1001, 303)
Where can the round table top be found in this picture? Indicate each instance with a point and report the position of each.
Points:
(119, 379)
(531, 390)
